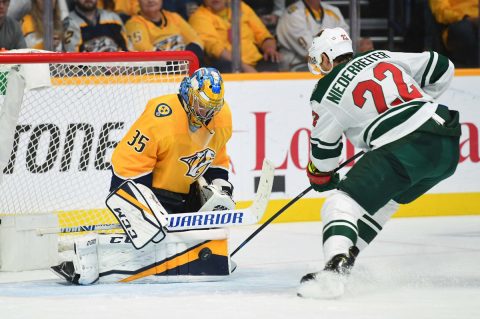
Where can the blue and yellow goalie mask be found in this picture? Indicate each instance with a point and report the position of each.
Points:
(203, 95)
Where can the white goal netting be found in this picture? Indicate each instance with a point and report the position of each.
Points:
(66, 132)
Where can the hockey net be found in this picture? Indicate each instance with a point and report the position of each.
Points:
(66, 130)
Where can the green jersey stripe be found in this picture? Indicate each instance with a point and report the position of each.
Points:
(386, 115)
(366, 232)
(372, 221)
(320, 142)
(325, 153)
(427, 69)
(392, 122)
(340, 221)
(340, 230)
(440, 68)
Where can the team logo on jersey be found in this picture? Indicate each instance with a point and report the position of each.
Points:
(163, 110)
(198, 162)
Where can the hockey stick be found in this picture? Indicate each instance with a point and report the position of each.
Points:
(201, 220)
(290, 203)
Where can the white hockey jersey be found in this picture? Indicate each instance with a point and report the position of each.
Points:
(298, 26)
(375, 99)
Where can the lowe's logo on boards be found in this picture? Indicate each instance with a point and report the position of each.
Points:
(233, 218)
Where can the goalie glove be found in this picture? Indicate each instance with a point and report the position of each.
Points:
(322, 181)
(216, 196)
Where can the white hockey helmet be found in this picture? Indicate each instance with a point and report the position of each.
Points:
(333, 42)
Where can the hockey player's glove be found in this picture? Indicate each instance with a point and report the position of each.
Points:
(322, 181)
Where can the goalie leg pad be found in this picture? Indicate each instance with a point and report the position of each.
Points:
(83, 268)
(85, 260)
(198, 258)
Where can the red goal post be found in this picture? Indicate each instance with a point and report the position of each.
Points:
(11, 57)
(72, 110)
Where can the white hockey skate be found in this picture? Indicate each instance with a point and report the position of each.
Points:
(83, 270)
(329, 283)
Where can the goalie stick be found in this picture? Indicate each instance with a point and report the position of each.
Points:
(201, 220)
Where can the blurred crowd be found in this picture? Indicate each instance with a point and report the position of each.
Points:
(275, 34)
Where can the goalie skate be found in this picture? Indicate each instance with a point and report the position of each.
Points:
(329, 283)
(83, 270)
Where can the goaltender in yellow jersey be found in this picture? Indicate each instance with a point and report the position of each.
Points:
(178, 139)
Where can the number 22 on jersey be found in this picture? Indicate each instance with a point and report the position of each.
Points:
(377, 90)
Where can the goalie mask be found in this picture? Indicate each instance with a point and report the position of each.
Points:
(334, 43)
(203, 95)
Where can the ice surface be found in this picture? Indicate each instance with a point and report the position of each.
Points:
(416, 268)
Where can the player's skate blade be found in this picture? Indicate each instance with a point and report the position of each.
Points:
(322, 285)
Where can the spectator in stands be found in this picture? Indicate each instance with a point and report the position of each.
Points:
(298, 26)
(460, 35)
(11, 36)
(89, 29)
(183, 7)
(269, 11)
(212, 20)
(156, 29)
(124, 8)
(18, 9)
(33, 30)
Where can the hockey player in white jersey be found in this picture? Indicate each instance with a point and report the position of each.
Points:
(384, 103)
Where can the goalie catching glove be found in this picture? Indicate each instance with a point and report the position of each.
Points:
(215, 196)
(322, 181)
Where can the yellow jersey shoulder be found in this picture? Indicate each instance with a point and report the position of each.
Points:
(165, 115)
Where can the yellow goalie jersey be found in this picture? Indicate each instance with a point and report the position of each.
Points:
(160, 143)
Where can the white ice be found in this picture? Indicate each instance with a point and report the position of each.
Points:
(416, 268)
